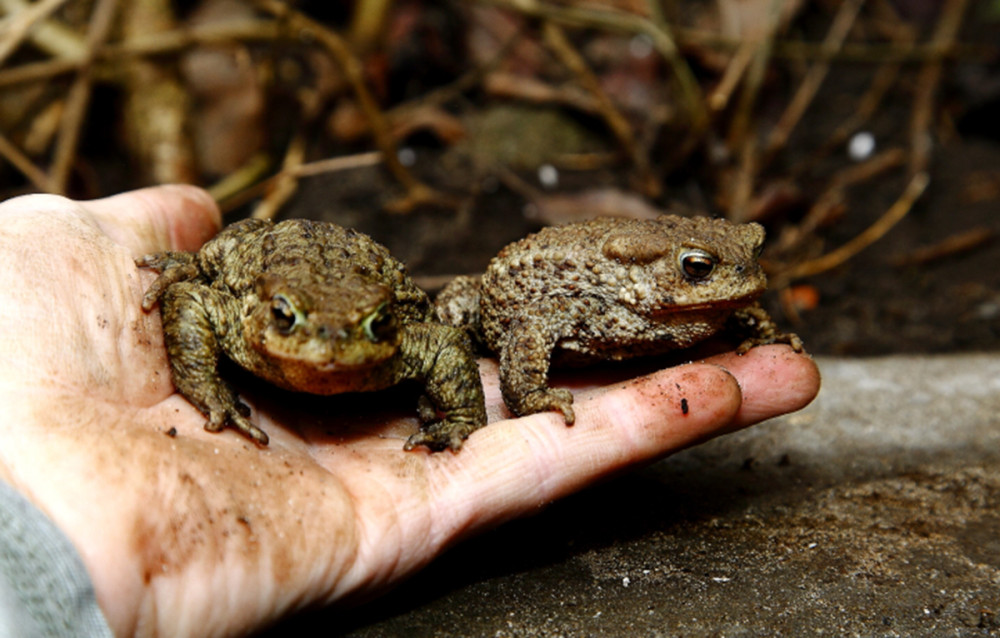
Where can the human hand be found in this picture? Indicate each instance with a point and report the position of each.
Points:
(188, 532)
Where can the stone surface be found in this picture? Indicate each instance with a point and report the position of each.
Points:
(873, 512)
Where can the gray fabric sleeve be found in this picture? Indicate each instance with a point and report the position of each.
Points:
(45, 590)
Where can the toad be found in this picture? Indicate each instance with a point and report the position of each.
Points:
(311, 307)
(611, 289)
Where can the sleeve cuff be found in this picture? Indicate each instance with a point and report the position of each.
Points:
(45, 589)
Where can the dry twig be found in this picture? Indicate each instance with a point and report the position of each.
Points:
(832, 198)
(921, 143)
(741, 191)
(285, 183)
(737, 67)
(21, 24)
(156, 112)
(232, 192)
(763, 45)
(535, 91)
(368, 23)
(841, 26)
(246, 31)
(740, 137)
(105, 58)
(914, 189)
(23, 163)
(418, 193)
(468, 80)
(850, 52)
(958, 243)
(101, 20)
(622, 130)
(337, 164)
(884, 78)
(234, 185)
(49, 36)
(614, 20)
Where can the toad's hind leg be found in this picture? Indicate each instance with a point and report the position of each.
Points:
(191, 319)
(458, 304)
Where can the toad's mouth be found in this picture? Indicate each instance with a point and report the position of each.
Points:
(333, 367)
(707, 307)
(327, 362)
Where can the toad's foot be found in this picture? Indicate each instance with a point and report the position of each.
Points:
(173, 267)
(193, 315)
(790, 338)
(761, 330)
(544, 400)
(234, 415)
(453, 406)
(442, 435)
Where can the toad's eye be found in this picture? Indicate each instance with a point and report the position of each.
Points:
(697, 264)
(379, 325)
(283, 314)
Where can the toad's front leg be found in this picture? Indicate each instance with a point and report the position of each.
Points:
(174, 267)
(525, 356)
(193, 317)
(442, 357)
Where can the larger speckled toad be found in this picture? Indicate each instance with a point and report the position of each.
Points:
(610, 289)
(311, 307)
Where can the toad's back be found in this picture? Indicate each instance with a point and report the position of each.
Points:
(620, 284)
(305, 251)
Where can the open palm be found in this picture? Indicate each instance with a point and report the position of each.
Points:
(188, 532)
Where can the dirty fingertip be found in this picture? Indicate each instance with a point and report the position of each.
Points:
(775, 380)
(675, 407)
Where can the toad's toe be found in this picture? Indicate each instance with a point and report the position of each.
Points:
(442, 435)
(547, 400)
(236, 417)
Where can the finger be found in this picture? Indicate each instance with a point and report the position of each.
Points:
(515, 466)
(174, 217)
(774, 379)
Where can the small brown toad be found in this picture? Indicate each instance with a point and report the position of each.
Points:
(610, 289)
(312, 307)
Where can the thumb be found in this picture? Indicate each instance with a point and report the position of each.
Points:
(173, 217)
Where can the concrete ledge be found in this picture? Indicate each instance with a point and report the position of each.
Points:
(873, 512)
